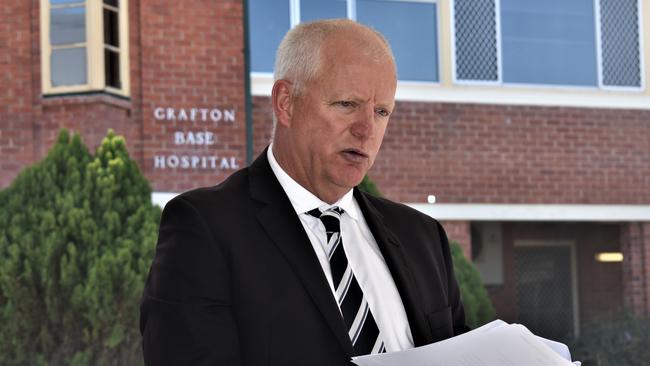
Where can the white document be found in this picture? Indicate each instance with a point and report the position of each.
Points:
(494, 344)
(559, 348)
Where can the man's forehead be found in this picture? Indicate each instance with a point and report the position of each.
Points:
(351, 81)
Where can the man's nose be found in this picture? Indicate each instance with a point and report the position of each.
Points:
(364, 125)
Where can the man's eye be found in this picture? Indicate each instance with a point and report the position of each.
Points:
(345, 103)
(382, 112)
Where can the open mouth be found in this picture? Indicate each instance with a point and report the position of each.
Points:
(355, 155)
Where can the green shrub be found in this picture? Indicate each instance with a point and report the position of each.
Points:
(77, 234)
(478, 307)
(623, 340)
(369, 186)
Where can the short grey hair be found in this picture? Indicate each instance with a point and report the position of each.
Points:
(298, 57)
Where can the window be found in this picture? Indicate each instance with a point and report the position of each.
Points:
(619, 43)
(588, 43)
(318, 9)
(111, 13)
(548, 42)
(269, 21)
(84, 46)
(410, 26)
(411, 30)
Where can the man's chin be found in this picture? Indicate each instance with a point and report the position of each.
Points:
(349, 178)
(351, 183)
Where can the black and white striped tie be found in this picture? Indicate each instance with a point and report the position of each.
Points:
(361, 325)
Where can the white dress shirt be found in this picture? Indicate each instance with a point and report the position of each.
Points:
(364, 257)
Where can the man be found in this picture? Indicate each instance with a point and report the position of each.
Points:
(285, 262)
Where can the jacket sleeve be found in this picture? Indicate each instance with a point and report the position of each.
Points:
(185, 315)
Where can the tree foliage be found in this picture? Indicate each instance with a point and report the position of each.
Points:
(77, 234)
(369, 186)
(622, 340)
(478, 307)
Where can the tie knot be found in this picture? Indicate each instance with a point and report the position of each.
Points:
(334, 211)
(330, 217)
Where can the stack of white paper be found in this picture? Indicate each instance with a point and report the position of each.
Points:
(496, 343)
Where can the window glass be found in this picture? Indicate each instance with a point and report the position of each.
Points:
(68, 25)
(68, 66)
(112, 68)
(69, 31)
(111, 28)
(549, 42)
(322, 9)
(411, 29)
(269, 21)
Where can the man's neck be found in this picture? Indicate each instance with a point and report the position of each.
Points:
(282, 158)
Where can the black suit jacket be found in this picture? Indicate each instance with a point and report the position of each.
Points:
(235, 280)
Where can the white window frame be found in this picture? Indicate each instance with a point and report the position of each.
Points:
(641, 87)
(94, 44)
(452, 24)
(500, 82)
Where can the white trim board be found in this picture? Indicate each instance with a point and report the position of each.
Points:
(546, 96)
(508, 212)
(549, 96)
(534, 212)
(161, 198)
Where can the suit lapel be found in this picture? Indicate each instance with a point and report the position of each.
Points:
(393, 253)
(283, 226)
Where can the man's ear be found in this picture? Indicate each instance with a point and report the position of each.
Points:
(282, 97)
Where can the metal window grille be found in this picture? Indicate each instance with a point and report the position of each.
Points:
(476, 40)
(619, 23)
(544, 290)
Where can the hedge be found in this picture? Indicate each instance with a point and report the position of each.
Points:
(77, 234)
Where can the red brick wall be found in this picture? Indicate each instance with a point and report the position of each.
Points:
(262, 123)
(29, 122)
(515, 154)
(183, 56)
(192, 58)
(188, 55)
(16, 98)
(509, 154)
(636, 272)
(600, 284)
(91, 116)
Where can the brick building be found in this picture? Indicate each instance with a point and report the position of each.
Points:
(528, 123)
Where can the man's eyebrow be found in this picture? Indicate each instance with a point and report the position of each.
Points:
(389, 106)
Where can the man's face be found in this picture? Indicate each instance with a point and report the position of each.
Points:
(339, 119)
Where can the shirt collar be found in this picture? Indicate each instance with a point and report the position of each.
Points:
(301, 199)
